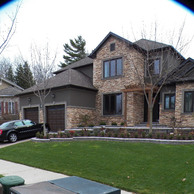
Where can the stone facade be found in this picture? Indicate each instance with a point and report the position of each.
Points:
(185, 119)
(166, 116)
(181, 119)
(74, 116)
(132, 60)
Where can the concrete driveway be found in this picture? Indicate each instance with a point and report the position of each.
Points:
(5, 144)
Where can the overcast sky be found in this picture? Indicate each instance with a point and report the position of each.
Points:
(57, 21)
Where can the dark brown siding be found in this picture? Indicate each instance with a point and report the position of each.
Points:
(32, 114)
(56, 117)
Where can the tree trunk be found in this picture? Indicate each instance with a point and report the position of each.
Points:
(150, 118)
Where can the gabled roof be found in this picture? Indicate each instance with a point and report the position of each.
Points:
(181, 73)
(83, 62)
(10, 91)
(92, 55)
(11, 83)
(149, 45)
(141, 45)
(70, 77)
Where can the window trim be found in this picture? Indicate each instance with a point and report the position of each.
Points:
(170, 95)
(109, 67)
(103, 104)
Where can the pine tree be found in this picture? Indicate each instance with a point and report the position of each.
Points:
(74, 52)
(10, 75)
(28, 74)
(19, 74)
(23, 76)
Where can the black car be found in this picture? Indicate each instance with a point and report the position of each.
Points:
(17, 129)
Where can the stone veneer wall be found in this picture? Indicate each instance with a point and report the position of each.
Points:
(185, 119)
(166, 116)
(131, 58)
(73, 115)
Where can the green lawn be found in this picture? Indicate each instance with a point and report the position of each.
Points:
(138, 167)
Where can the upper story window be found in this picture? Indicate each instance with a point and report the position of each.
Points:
(112, 46)
(153, 67)
(189, 101)
(112, 104)
(112, 68)
(169, 101)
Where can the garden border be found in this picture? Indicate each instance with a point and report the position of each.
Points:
(141, 140)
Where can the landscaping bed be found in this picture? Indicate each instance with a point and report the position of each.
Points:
(124, 133)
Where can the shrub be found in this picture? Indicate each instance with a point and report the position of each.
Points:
(150, 135)
(190, 137)
(122, 123)
(128, 135)
(114, 123)
(158, 135)
(109, 134)
(38, 134)
(102, 133)
(102, 123)
(171, 136)
(143, 134)
(91, 125)
(54, 135)
(95, 133)
(164, 136)
(72, 133)
(68, 135)
(183, 137)
(115, 135)
(82, 133)
(60, 134)
(136, 135)
(122, 135)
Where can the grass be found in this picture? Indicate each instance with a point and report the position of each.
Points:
(138, 167)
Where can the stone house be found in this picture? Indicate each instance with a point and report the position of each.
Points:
(107, 86)
(9, 103)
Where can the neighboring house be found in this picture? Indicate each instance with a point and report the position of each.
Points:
(9, 103)
(106, 87)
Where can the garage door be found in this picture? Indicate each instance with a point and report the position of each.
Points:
(32, 114)
(56, 117)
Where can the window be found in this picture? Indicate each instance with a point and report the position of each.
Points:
(112, 104)
(18, 124)
(189, 101)
(156, 66)
(153, 66)
(28, 122)
(169, 101)
(112, 46)
(113, 68)
(11, 108)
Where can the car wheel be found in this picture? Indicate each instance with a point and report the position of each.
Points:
(13, 137)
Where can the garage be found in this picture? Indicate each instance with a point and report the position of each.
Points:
(56, 117)
(32, 114)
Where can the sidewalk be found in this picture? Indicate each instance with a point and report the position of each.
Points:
(30, 174)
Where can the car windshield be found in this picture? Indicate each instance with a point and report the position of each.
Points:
(5, 125)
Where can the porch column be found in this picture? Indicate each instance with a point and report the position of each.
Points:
(125, 111)
(149, 99)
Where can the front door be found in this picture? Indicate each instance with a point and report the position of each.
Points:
(155, 110)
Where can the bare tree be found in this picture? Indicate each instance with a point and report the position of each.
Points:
(7, 32)
(156, 62)
(42, 65)
(5, 64)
